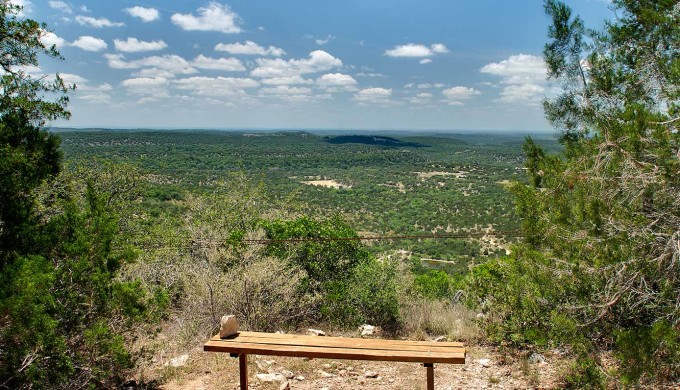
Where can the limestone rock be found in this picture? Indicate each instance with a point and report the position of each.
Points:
(316, 332)
(371, 374)
(287, 374)
(325, 374)
(178, 361)
(536, 358)
(486, 363)
(228, 326)
(285, 386)
(367, 330)
(276, 377)
(439, 339)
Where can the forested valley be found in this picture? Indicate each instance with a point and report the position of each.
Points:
(122, 248)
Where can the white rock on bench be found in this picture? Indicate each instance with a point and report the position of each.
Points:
(367, 330)
(316, 332)
(228, 326)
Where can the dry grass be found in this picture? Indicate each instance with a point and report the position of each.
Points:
(424, 317)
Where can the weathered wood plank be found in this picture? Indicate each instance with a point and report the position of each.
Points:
(231, 346)
(332, 342)
(285, 336)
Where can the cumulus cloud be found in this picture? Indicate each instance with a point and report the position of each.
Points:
(85, 91)
(336, 79)
(318, 61)
(225, 64)
(249, 48)
(425, 61)
(168, 65)
(49, 38)
(26, 5)
(373, 95)
(323, 41)
(214, 17)
(216, 86)
(157, 87)
(145, 14)
(288, 80)
(134, 45)
(61, 6)
(518, 69)
(285, 90)
(421, 98)
(524, 77)
(335, 82)
(416, 50)
(455, 95)
(97, 22)
(89, 43)
(288, 94)
(528, 93)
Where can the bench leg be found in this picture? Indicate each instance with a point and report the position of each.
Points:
(429, 367)
(243, 370)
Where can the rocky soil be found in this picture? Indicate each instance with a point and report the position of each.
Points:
(486, 368)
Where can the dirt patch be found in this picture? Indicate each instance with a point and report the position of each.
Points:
(485, 368)
(326, 183)
(427, 175)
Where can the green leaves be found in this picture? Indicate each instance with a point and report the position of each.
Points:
(598, 269)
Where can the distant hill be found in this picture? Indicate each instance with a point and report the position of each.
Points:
(371, 140)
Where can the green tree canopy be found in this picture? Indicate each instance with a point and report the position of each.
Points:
(600, 266)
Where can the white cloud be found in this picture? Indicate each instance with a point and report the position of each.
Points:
(335, 82)
(285, 90)
(27, 6)
(421, 98)
(225, 64)
(117, 61)
(518, 69)
(318, 61)
(324, 41)
(416, 50)
(373, 95)
(89, 43)
(524, 77)
(528, 93)
(84, 8)
(454, 95)
(425, 61)
(288, 94)
(145, 14)
(169, 64)
(288, 80)
(336, 79)
(86, 92)
(439, 48)
(214, 17)
(70, 78)
(49, 38)
(216, 86)
(156, 87)
(364, 74)
(134, 45)
(249, 48)
(61, 6)
(97, 22)
(409, 50)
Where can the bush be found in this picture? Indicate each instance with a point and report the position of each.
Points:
(368, 295)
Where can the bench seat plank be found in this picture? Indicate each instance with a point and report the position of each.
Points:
(342, 341)
(336, 348)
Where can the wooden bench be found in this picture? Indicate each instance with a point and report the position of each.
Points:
(243, 344)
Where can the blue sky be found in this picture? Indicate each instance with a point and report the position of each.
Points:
(308, 64)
